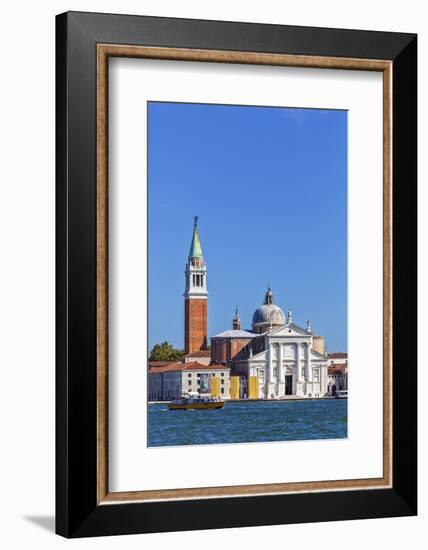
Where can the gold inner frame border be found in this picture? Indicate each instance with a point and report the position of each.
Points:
(104, 52)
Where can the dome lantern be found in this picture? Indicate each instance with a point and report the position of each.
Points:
(269, 296)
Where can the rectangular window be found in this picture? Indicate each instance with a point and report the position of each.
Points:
(222, 390)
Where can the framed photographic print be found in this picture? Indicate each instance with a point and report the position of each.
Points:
(236, 274)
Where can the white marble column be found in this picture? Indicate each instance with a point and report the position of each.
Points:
(270, 378)
(322, 381)
(270, 366)
(280, 365)
(299, 369)
(308, 363)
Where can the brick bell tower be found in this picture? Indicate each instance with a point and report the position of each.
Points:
(195, 297)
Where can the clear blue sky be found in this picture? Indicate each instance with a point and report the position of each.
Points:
(270, 188)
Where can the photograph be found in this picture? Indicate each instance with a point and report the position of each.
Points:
(247, 273)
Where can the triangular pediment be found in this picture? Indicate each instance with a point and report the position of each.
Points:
(261, 356)
(317, 356)
(290, 330)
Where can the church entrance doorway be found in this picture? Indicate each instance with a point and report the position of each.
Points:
(289, 384)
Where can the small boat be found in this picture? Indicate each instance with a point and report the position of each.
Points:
(195, 401)
(341, 394)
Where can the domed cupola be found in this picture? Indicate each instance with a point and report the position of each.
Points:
(268, 315)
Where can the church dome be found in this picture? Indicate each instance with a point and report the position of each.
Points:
(268, 313)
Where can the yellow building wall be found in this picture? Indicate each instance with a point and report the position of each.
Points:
(253, 387)
(215, 387)
(318, 344)
(234, 387)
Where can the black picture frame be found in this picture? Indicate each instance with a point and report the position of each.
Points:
(77, 511)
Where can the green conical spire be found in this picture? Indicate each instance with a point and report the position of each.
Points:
(195, 247)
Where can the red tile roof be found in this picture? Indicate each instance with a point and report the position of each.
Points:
(158, 364)
(200, 366)
(200, 353)
(340, 368)
(338, 355)
(171, 367)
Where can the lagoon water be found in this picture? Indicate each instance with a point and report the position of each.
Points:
(248, 421)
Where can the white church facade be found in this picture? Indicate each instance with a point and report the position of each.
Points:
(287, 366)
(277, 358)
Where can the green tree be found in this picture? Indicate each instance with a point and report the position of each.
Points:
(165, 352)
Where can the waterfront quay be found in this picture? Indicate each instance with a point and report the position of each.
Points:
(281, 400)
